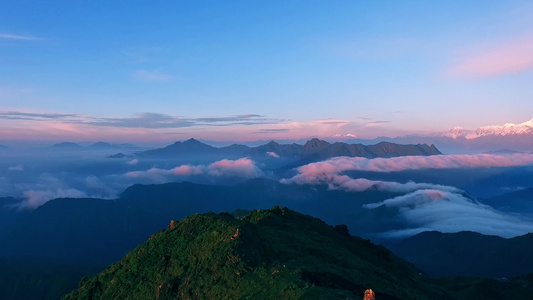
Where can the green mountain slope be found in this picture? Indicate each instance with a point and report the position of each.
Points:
(267, 254)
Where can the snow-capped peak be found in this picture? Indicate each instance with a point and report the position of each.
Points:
(343, 136)
(492, 130)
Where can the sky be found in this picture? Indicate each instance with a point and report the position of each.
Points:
(139, 71)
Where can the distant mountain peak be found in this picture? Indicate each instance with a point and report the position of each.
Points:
(101, 145)
(272, 143)
(193, 140)
(66, 145)
(507, 129)
(315, 143)
(313, 150)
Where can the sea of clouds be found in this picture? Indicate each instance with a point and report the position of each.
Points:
(420, 206)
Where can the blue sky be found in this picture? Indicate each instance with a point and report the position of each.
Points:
(253, 70)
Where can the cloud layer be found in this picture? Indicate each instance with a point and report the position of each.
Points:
(243, 168)
(424, 206)
(346, 183)
(430, 209)
(9, 36)
(395, 164)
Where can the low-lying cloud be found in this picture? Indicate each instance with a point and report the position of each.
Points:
(346, 183)
(327, 172)
(36, 198)
(338, 165)
(272, 154)
(445, 211)
(243, 167)
(425, 206)
(132, 162)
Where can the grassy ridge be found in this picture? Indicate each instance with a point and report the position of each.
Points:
(267, 254)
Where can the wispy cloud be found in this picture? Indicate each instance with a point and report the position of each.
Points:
(272, 154)
(145, 120)
(153, 76)
(375, 124)
(16, 115)
(508, 57)
(132, 162)
(35, 199)
(154, 120)
(272, 130)
(18, 37)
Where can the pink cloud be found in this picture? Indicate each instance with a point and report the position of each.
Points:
(424, 206)
(185, 170)
(243, 167)
(132, 162)
(327, 172)
(394, 164)
(272, 154)
(346, 183)
(511, 56)
(361, 184)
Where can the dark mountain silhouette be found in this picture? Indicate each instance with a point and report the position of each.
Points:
(267, 254)
(313, 150)
(101, 231)
(101, 145)
(287, 150)
(180, 199)
(66, 146)
(188, 147)
(467, 254)
(92, 231)
(118, 155)
(9, 212)
(234, 151)
(520, 201)
(43, 279)
(109, 146)
(503, 151)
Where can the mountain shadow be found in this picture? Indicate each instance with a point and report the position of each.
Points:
(467, 254)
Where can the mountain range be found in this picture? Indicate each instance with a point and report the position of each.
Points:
(312, 150)
(508, 129)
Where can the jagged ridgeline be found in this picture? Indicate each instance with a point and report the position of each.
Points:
(267, 254)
